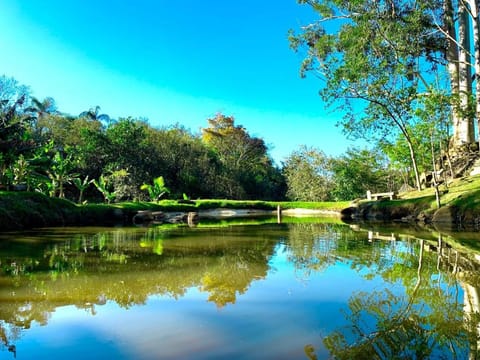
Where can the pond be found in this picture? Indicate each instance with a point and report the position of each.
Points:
(301, 290)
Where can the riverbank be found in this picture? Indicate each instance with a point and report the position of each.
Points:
(460, 206)
(24, 210)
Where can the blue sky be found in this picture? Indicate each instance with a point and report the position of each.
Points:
(172, 62)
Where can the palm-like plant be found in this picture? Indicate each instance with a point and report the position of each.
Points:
(93, 114)
(41, 110)
(157, 189)
(60, 173)
(82, 185)
(102, 185)
(14, 120)
(21, 171)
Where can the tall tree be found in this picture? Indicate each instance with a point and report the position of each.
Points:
(457, 21)
(184, 161)
(370, 55)
(128, 151)
(463, 129)
(451, 54)
(472, 7)
(94, 114)
(474, 12)
(357, 171)
(244, 158)
(42, 109)
(308, 175)
(15, 119)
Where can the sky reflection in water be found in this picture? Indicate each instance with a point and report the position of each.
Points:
(246, 292)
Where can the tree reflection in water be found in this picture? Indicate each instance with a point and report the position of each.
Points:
(9, 334)
(426, 321)
(126, 266)
(407, 319)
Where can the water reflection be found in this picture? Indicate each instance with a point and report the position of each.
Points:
(405, 296)
(61, 267)
(428, 320)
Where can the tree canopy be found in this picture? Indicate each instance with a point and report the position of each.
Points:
(381, 61)
(63, 155)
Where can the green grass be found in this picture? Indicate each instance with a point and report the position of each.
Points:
(26, 209)
(207, 204)
(327, 205)
(20, 210)
(463, 194)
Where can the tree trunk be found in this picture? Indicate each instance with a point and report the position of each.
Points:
(414, 164)
(452, 60)
(471, 307)
(463, 131)
(434, 173)
(473, 5)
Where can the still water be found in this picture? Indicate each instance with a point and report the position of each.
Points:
(310, 290)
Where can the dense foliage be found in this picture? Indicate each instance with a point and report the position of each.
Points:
(93, 156)
(400, 72)
(313, 176)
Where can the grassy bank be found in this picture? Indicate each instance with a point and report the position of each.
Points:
(460, 201)
(21, 210)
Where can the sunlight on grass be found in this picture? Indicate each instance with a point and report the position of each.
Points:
(463, 193)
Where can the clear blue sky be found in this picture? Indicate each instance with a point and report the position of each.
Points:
(172, 62)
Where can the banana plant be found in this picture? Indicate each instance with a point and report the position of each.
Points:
(21, 171)
(157, 189)
(102, 185)
(82, 185)
(60, 173)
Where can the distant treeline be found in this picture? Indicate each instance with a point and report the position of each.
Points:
(94, 157)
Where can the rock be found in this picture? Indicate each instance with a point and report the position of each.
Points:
(446, 214)
(142, 217)
(158, 215)
(176, 217)
(423, 218)
(224, 213)
(349, 213)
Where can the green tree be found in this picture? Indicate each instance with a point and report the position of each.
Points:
(11, 91)
(21, 171)
(246, 164)
(373, 58)
(15, 120)
(430, 137)
(92, 151)
(415, 325)
(184, 161)
(357, 171)
(42, 109)
(81, 185)
(61, 172)
(127, 149)
(307, 175)
(104, 185)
